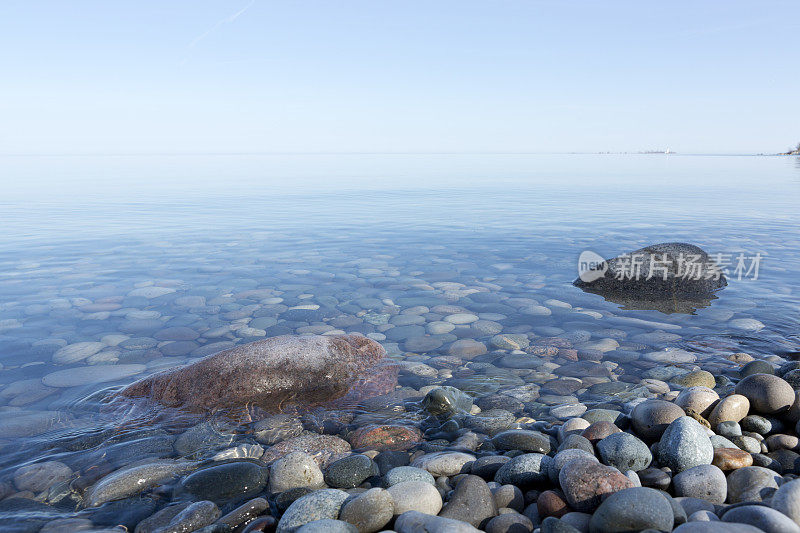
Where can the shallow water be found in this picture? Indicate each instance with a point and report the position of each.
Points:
(114, 250)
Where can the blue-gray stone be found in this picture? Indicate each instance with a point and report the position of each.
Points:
(624, 452)
(685, 444)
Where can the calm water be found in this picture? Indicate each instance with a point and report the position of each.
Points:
(115, 250)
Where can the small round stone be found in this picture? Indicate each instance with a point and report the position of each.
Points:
(407, 473)
(706, 482)
(509, 523)
(370, 511)
(787, 500)
(651, 418)
(733, 408)
(350, 472)
(443, 463)
(294, 470)
(624, 452)
(599, 430)
(525, 469)
(698, 399)
(633, 509)
(585, 482)
(731, 459)
(764, 518)
(415, 496)
(522, 439)
(41, 476)
(327, 525)
(684, 445)
(752, 483)
(768, 394)
(758, 366)
(318, 505)
(472, 501)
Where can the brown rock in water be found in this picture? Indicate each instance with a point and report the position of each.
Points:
(386, 437)
(273, 373)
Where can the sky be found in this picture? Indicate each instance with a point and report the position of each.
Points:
(255, 76)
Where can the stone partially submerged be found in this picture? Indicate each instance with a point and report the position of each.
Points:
(669, 277)
(274, 373)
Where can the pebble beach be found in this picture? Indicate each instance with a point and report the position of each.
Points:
(521, 403)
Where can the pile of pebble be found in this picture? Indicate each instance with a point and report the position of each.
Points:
(692, 463)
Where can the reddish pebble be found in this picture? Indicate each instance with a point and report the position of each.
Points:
(552, 503)
(382, 438)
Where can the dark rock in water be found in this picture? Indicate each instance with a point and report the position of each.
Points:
(273, 373)
(237, 480)
(446, 401)
(668, 277)
(127, 512)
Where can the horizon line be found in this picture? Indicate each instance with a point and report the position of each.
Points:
(377, 152)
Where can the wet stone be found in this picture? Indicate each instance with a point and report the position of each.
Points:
(226, 482)
(350, 472)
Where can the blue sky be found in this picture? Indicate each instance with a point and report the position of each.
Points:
(404, 76)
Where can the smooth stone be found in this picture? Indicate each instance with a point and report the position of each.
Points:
(488, 465)
(296, 469)
(271, 372)
(416, 522)
(461, 318)
(415, 496)
(552, 524)
(698, 399)
(731, 409)
(633, 509)
(327, 525)
(585, 482)
(703, 516)
(764, 518)
(370, 511)
(758, 366)
(228, 481)
(191, 518)
(787, 500)
(510, 341)
(407, 473)
(706, 482)
(131, 481)
(467, 349)
(509, 523)
(715, 527)
(624, 452)
(443, 463)
(650, 418)
(525, 469)
(38, 477)
(472, 501)
(151, 292)
(768, 394)
(200, 438)
(491, 422)
(752, 484)
(349, 472)
(698, 378)
(731, 459)
(508, 496)
(685, 444)
(558, 461)
(446, 400)
(318, 505)
(79, 351)
(522, 439)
